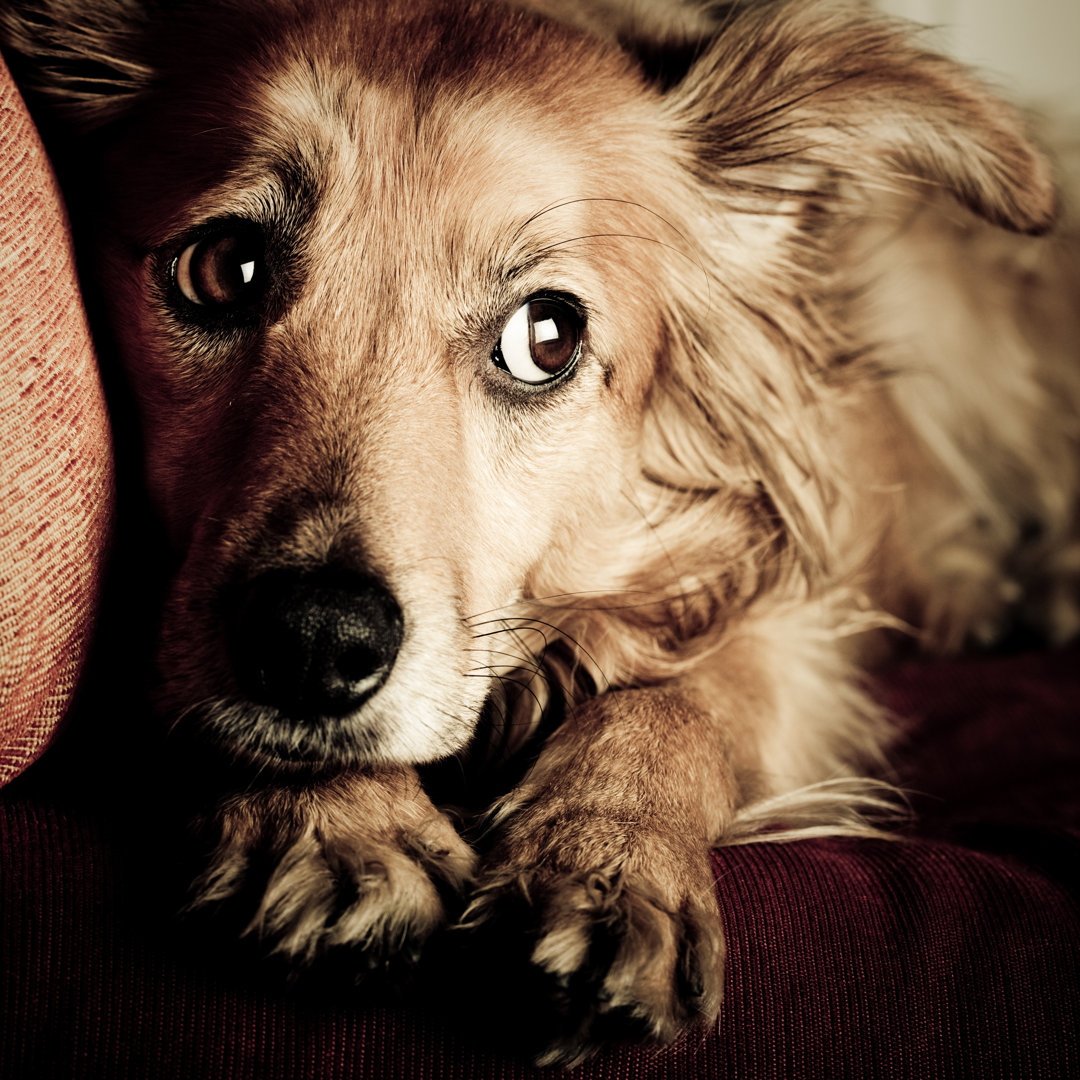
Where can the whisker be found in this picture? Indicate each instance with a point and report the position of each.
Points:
(514, 630)
(682, 252)
(531, 666)
(597, 199)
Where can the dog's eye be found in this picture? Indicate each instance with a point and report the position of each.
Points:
(223, 270)
(540, 342)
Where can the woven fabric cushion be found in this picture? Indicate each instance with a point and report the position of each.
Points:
(55, 462)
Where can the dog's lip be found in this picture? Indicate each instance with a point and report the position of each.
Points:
(263, 735)
(249, 733)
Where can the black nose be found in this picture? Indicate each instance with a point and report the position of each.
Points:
(313, 643)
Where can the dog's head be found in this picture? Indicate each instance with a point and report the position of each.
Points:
(440, 313)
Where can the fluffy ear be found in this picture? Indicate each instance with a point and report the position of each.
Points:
(790, 119)
(79, 62)
(789, 91)
(651, 23)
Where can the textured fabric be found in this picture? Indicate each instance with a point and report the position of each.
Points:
(952, 954)
(55, 486)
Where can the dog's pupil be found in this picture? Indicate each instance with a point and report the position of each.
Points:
(552, 339)
(225, 270)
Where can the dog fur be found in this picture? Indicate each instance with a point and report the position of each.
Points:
(825, 401)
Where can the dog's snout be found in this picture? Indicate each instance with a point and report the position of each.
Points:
(313, 643)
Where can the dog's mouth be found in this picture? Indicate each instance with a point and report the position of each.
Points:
(508, 721)
(259, 735)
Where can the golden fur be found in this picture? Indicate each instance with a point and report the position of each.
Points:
(826, 399)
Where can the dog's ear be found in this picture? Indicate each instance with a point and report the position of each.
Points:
(787, 97)
(79, 62)
(790, 119)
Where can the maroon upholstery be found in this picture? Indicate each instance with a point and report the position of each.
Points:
(953, 954)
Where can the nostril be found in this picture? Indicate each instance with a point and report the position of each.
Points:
(313, 643)
(358, 663)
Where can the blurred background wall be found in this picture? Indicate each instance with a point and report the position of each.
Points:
(1032, 47)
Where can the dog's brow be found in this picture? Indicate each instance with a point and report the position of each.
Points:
(679, 242)
(564, 203)
(278, 194)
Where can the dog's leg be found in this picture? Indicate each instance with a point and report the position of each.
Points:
(362, 861)
(599, 890)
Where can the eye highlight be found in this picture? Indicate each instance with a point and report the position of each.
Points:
(541, 341)
(223, 271)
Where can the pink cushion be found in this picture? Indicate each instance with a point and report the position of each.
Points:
(56, 485)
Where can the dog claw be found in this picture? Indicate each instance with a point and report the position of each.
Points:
(602, 955)
(325, 883)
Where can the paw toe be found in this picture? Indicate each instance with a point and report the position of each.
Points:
(602, 957)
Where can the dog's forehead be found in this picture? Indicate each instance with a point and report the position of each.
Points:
(376, 144)
(479, 182)
(481, 147)
(394, 109)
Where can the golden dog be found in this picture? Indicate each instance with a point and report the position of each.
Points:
(597, 384)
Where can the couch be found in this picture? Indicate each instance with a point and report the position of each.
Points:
(951, 952)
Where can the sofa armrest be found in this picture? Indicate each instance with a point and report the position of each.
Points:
(56, 488)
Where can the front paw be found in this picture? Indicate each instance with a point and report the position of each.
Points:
(612, 929)
(362, 868)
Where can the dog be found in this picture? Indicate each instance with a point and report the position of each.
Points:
(598, 387)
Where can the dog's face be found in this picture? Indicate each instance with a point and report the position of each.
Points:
(435, 309)
(390, 324)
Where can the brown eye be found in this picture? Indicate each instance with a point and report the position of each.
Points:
(541, 341)
(223, 270)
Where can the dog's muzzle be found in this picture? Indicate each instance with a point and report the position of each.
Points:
(312, 644)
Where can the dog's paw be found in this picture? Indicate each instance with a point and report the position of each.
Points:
(362, 868)
(624, 947)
